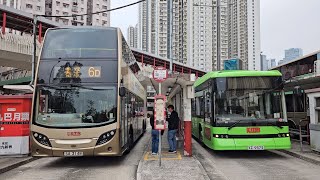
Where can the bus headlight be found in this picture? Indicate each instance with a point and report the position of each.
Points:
(105, 137)
(42, 139)
(221, 136)
(283, 135)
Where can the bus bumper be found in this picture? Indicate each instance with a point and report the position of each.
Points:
(108, 149)
(244, 144)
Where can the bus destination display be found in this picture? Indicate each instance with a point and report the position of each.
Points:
(77, 72)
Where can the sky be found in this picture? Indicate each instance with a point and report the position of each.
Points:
(284, 24)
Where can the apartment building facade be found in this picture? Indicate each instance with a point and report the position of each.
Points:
(66, 8)
(194, 36)
(132, 36)
(244, 32)
(30, 6)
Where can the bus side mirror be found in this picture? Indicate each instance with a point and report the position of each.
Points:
(122, 91)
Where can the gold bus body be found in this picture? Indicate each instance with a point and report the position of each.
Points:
(86, 142)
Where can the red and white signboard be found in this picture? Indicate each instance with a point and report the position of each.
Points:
(14, 124)
(160, 112)
(160, 74)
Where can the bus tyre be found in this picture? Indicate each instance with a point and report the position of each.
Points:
(144, 126)
(200, 136)
(130, 140)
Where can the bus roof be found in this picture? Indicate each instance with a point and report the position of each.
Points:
(84, 27)
(235, 73)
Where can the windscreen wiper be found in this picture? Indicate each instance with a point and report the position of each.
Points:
(81, 86)
(234, 124)
(275, 124)
(86, 87)
(56, 87)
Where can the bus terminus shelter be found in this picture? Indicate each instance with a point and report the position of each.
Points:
(302, 85)
(177, 88)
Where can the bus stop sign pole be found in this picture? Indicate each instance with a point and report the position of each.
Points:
(160, 74)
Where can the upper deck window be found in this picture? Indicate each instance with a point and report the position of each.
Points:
(80, 43)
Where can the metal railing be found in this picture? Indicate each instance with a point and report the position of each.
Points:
(14, 74)
(301, 132)
(305, 133)
(17, 43)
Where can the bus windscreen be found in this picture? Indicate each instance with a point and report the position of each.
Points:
(80, 43)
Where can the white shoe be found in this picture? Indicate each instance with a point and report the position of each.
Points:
(154, 154)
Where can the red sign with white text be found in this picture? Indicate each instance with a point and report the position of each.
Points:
(160, 112)
(15, 115)
(160, 74)
(253, 130)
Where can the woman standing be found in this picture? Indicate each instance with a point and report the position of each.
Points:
(155, 136)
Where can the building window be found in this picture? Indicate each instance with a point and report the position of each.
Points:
(29, 6)
(65, 5)
(65, 21)
(39, 8)
(58, 3)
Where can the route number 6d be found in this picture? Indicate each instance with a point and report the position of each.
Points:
(93, 72)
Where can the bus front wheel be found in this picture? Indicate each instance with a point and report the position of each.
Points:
(130, 140)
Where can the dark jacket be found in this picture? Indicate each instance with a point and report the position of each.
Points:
(173, 121)
(152, 121)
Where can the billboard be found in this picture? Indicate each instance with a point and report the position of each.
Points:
(232, 64)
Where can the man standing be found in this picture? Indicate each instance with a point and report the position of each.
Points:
(173, 125)
(155, 136)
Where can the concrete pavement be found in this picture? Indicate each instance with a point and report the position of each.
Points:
(8, 163)
(255, 165)
(173, 166)
(305, 154)
(141, 165)
(82, 168)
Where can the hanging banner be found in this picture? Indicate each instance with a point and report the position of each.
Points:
(160, 112)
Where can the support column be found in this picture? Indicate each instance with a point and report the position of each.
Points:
(142, 60)
(4, 23)
(40, 32)
(187, 122)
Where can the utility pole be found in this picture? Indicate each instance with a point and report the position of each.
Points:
(182, 31)
(218, 35)
(170, 19)
(34, 54)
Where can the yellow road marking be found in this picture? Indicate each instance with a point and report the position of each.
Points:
(147, 158)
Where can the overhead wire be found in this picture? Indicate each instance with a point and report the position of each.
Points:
(98, 12)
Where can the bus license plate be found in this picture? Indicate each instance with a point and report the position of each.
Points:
(255, 147)
(73, 153)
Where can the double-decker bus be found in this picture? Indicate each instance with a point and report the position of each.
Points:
(87, 100)
(240, 110)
